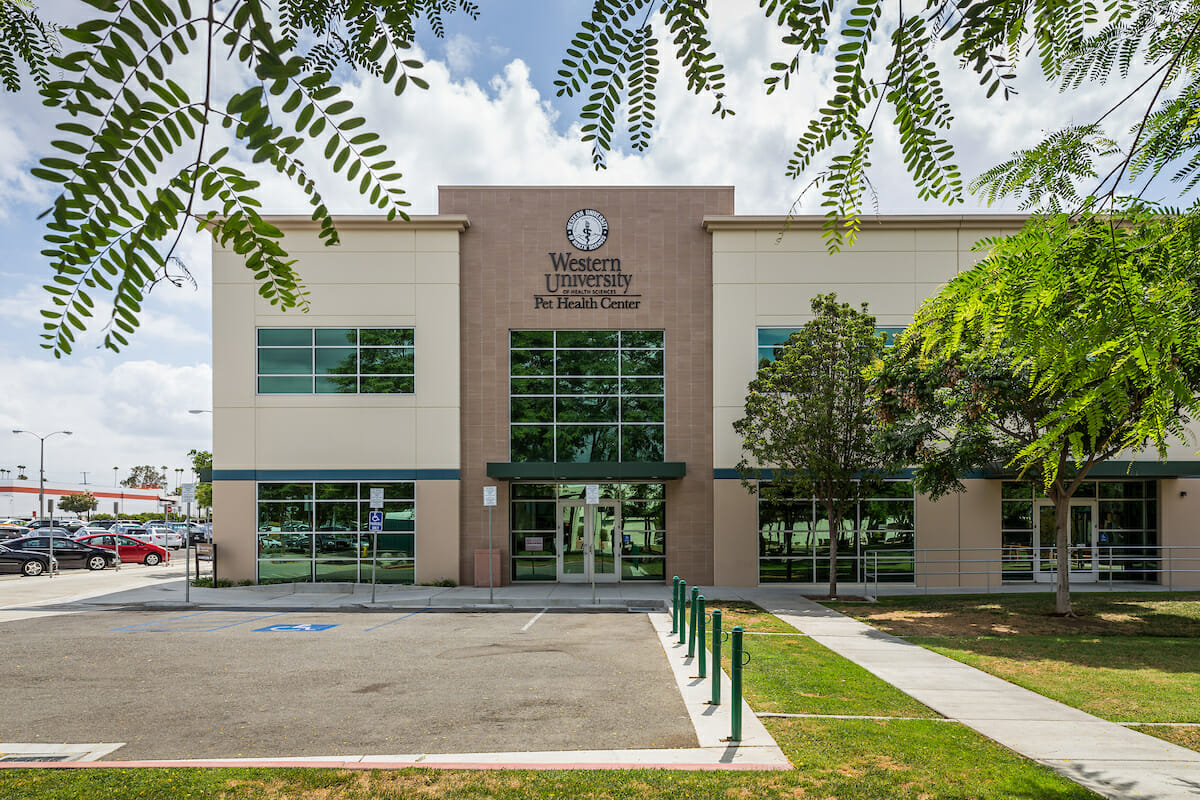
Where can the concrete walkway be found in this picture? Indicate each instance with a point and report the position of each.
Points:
(1103, 756)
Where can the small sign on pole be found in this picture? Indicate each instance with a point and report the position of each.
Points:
(592, 494)
(489, 495)
(188, 493)
(377, 497)
(374, 520)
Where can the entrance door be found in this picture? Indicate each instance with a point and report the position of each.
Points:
(588, 547)
(1082, 518)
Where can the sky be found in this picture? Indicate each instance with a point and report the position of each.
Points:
(490, 116)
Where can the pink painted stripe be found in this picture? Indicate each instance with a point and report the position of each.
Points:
(472, 765)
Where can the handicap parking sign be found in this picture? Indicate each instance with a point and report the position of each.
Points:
(374, 520)
(308, 626)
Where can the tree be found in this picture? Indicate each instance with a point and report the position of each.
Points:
(202, 460)
(809, 424)
(1071, 343)
(80, 503)
(117, 221)
(145, 476)
(21, 476)
(614, 62)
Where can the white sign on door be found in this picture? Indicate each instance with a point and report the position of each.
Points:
(592, 494)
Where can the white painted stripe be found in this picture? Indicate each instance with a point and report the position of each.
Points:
(529, 624)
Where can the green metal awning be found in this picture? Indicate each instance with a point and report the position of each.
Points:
(552, 471)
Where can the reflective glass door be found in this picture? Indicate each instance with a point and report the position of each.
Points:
(1082, 520)
(588, 545)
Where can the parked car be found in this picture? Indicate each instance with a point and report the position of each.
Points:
(13, 532)
(25, 562)
(145, 534)
(131, 550)
(171, 537)
(102, 523)
(67, 551)
(198, 534)
(71, 524)
(38, 523)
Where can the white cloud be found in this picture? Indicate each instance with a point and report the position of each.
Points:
(461, 51)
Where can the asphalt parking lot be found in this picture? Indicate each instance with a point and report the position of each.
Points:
(219, 684)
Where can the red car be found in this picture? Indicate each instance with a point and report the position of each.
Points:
(132, 550)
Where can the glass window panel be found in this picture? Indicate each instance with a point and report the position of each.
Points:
(642, 339)
(290, 545)
(643, 569)
(536, 339)
(336, 491)
(587, 443)
(642, 442)
(645, 491)
(587, 339)
(587, 362)
(534, 569)
(531, 362)
(898, 489)
(394, 545)
(1129, 490)
(532, 385)
(528, 516)
(640, 542)
(337, 545)
(385, 337)
(587, 409)
(532, 409)
(378, 385)
(785, 514)
(277, 571)
(641, 362)
(1016, 490)
(400, 490)
(285, 516)
(1121, 514)
(285, 491)
(542, 491)
(1151, 515)
(399, 516)
(335, 571)
(285, 361)
(339, 384)
(785, 570)
(386, 360)
(285, 337)
(335, 360)
(285, 385)
(587, 386)
(337, 516)
(533, 543)
(336, 337)
(646, 516)
(1016, 514)
(400, 571)
(531, 443)
(891, 334)
(642, 409)
(650, 386)
(887, 515)
(773, 337)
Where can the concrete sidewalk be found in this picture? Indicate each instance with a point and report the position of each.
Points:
(1103, 756)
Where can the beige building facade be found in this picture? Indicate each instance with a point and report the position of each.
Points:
(577, 356)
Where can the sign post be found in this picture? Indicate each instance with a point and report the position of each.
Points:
(591, 494)
(188, 495)
(375, 525)
(489, 500)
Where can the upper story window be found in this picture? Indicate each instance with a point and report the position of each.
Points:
(335, 361)
(770, 340)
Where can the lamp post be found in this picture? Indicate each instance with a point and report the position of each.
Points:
(42, 484)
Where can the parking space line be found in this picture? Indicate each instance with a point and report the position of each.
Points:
(161, 621)
(397, 619)
(256, 619)
(529, 624)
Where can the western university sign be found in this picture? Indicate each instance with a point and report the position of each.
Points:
(583, 281)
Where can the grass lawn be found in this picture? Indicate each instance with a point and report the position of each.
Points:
(1125, 658)
(844, 759)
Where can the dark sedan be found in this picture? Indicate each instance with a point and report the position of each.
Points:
(67, 552)
(25, 562)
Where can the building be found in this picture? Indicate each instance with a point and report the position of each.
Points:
(20, 498)
(544, 340)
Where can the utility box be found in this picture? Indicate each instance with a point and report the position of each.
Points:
(481, 568)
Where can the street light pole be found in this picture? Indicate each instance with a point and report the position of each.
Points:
(42, 485)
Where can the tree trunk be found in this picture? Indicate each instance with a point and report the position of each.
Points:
(835, 530)
(1062, 537)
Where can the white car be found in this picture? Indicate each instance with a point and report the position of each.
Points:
(165, 537)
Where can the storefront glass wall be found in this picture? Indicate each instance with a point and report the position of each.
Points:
(793, 538)
(335, 361)
(317, 531)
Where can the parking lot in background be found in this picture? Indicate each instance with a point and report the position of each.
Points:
(210, 684)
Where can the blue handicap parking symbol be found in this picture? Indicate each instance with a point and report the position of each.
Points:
(374, 520)
(302, 627)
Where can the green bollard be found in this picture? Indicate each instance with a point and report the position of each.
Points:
(692, 632)
(735, 675)
(716, 651)
(701, 618)
(682, 611)
(675, 605)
